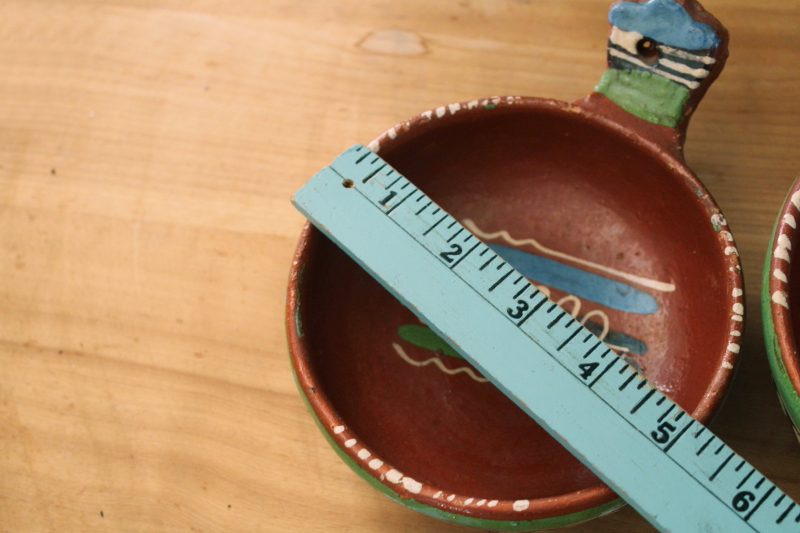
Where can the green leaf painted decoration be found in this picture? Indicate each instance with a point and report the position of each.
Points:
(424, 337)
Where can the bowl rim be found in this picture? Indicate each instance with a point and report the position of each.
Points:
(782, 349)
(465, 509)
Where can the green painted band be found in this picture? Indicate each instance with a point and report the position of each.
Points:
(646, 95)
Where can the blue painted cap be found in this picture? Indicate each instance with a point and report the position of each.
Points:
(665, 21)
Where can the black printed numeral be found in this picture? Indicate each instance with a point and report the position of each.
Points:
(455, 251)
(587, 369)
(517, 313)
(662, 434)
(741, 502)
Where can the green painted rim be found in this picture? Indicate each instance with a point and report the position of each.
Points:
(481, 523)
(786, 391)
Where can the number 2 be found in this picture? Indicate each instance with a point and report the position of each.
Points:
(455, 250)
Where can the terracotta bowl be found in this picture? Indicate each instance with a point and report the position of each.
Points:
(780, 294)
(596, 206)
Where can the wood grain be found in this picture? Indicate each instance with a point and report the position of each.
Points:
(148, 151)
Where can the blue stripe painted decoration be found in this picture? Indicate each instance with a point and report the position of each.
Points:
(583, 284)
(665, 21)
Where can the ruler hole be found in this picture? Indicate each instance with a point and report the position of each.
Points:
(348, 184)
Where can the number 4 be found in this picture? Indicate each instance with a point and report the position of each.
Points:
(587, 369)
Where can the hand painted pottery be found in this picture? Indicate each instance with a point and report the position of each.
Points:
(779, 294)
(593, 202)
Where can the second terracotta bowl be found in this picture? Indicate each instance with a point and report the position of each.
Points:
(780, 297)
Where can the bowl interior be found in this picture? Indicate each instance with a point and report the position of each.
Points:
(616, 234)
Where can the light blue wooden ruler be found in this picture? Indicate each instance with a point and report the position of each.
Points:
(667, 465)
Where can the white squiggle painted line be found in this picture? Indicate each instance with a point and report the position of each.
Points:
(544, 290)
(603, 317)
(503, 234)
(437, 362)
(576, 304)
(596, 312)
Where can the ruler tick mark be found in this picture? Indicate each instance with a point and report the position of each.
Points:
(556, 319)
(678, 436)
(704, 446)
(643, 400)
(722, 447)
(755, 508)
(499, 281)
(435, 224)
(642, 384)
(455, 235)
(627, 382)
(568, 339)
(788, 510)
(465, 255)
(718, 470)
(395, 206)
(667, 412)
(743, 481)
(589, 336)
(592, 348)
(453, 223)
(519, 292)
(373, 173)
(606, 369)
(392, 183)
(518, 280)
(487, 262)
(530, 313)
(363, 157)
(423, 208)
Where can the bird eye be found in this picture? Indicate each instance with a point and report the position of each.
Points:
(647, 49)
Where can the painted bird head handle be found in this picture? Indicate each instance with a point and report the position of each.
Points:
(662, 57)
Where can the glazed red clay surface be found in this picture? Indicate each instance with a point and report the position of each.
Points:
(578, 187)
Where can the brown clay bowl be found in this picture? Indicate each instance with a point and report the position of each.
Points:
(592, 203)
(779, 300)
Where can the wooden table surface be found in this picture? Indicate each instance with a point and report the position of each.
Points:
(148, 151)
